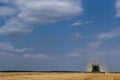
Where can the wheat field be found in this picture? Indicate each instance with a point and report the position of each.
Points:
(58, 76)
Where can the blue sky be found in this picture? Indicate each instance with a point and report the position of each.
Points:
(59, 34)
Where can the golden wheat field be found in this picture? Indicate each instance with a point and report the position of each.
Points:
(58, 76)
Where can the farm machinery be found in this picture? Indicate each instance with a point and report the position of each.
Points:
(96, 68)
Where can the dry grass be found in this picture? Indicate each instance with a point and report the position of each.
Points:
(58, 76)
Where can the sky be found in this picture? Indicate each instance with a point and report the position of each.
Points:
(59, 35)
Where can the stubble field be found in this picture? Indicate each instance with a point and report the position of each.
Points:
(58, 76)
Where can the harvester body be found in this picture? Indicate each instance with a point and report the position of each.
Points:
(95, 68)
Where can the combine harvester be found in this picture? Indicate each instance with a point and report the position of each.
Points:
(96, 68)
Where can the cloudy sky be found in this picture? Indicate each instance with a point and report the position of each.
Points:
(59, 35)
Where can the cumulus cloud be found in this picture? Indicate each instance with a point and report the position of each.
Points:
(111, 34)
(92, 52)
(94, 44)
(42, 11)
(4, 1)
(89, 22)
(36, 12)
(15, 28)
(9, 47)
(7, 11)
(37, 56)
(117, 6)
(77, 36)
(80, 23)
(74, 55)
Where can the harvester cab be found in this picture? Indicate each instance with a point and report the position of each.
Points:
(95, 68)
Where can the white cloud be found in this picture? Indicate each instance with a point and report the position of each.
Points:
(7, 11)
(4, 1)
(89, 22)
(36, 12)
(89, 52)
(74, 55)
(24, 49)
(117, 6)
(15, 28)
(43, 11)
(9, 47)
(77, 36)
(94, 44)
(110, 35)
(5, 46)
(78, 23)
(39, 56)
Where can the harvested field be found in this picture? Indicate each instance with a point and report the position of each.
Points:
(58, 76)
